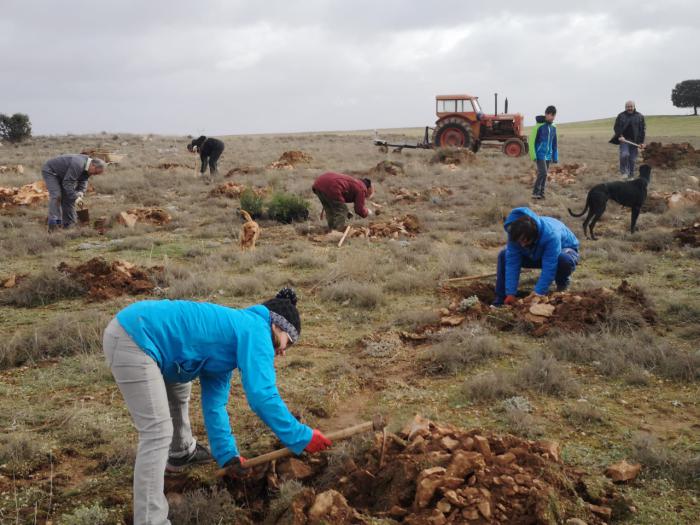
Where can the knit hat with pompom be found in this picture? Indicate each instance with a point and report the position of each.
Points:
(284, 313)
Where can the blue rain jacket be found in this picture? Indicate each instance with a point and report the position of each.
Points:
(543, 141)
(189, 340)
(553, 236)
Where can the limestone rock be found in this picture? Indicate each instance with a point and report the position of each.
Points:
(623, 471)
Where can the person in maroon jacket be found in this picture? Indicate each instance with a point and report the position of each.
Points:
(336, 190)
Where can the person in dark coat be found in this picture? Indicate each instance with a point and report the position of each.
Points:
(629, 127)
(66, 178)
(335, 190)
(209, 149)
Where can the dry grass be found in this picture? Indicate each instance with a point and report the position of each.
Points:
(658, 460)
(613, 355)
(206, 506)
(62, 335)
(353, 293)
(46, 287)
(459, 349)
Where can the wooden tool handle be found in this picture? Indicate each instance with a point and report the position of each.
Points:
(338, 435)
(347, 230)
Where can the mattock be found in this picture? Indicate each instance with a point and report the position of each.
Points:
(376, 425)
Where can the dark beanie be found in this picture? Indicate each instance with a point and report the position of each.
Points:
(368, 183)
(284, 305)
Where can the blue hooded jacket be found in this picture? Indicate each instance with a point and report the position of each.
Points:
(543, 141)
(552, 237)
(189, 340)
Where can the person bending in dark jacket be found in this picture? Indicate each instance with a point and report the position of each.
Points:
(209, 149)
(335, 190)
(629, 127)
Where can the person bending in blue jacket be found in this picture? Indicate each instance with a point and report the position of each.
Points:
(535, 242)
(543, 148)
(156, 348)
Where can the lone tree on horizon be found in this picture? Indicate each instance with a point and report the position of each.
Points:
(686, 94)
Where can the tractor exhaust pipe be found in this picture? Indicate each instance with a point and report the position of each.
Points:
(506, 106)
(495, 101)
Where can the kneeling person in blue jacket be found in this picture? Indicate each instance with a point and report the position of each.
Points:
(535, 242)
(156, 348)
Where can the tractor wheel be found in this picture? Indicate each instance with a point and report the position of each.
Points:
(453, 133)
(513, 148)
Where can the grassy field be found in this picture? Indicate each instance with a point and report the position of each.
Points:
(625, 389)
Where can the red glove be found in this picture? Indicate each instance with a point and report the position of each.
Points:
(510, 299)
(235, 469)
(318, 442)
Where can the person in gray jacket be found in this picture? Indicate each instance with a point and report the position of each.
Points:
(630, 132)
(66, 178)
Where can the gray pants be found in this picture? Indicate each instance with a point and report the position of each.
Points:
(541, 180)
(160, 413)
(628, 157)
(61, 210)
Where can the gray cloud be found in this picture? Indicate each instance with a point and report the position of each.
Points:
(242, 67)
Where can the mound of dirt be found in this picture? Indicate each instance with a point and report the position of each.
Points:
(671, 156)
(233, 190)
(429, 474)
(406, 195)
(406, 226)
(564, 311)
(106, 280)
(170, 166)
(289, 159)
(453, 156)
(563, 174)
(14, 168)
(689, 236)
(26, 195)
(659, 202)
(242, 170)
(129, 218)
(108, 156)
(386, 167)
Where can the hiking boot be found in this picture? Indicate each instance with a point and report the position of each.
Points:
(537, 196)
(564, 286)
(200, 455)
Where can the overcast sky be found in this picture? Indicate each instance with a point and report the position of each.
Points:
(228, 67)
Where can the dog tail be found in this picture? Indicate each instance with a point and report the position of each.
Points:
(579, 214)
(245, 215)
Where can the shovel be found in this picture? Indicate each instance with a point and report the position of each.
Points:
(377, 424)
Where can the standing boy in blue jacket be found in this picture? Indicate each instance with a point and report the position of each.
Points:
(156, 348)
(543, 148)
(535, 242)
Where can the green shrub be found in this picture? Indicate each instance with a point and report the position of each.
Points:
(15, 128)
(287, 208)
(252, 203)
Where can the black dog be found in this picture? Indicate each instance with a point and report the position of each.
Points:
(631, 193)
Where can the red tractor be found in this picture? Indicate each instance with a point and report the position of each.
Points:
(462, 124)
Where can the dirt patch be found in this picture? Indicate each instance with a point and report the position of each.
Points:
(13, 168)
(171, 166)
(429, 474)
(405, 195)
(386, 168)
(242, 170)
(232, 190)
(659, 202)
(290, 159)
(671, 156)
(26, 195)
(453, 156)
(106, 280)
(396, 227)
(108, 156)
(156, 216)
(563, 174)
(689, 236)
(538, 315)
